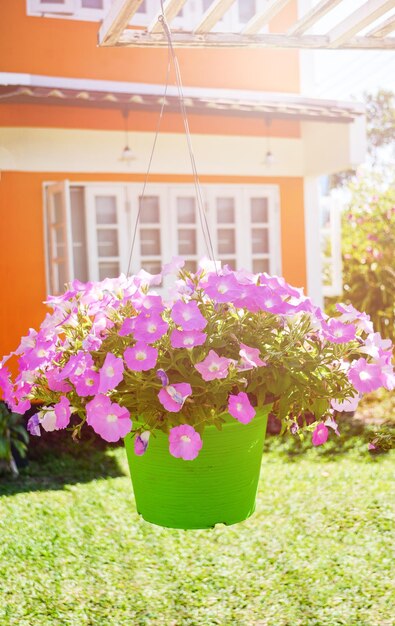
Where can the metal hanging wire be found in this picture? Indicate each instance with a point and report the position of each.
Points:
(172, 58)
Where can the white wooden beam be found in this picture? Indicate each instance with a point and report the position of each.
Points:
(261, 19)
(358, 20)
(312, 16)
(212, 16)
(383, 29)
(133, 38)
(171, 9)
(116, 21)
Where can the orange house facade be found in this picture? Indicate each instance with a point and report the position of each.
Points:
(69, 196)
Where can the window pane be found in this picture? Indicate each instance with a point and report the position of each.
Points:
(59, 242)
(230, 262)
(153, 267)
(80, 261)
(225, 210)
(51, 1)
(106, 209)
(260, 265)
(57, 212)
(107, 242)
(226, 241)
(190, 266)
(149, 210)
(259, 210)
(92, 4)
(186, 210)
(142, 9)
(260, 240)
(108, 270)
(247, 10)
(187, 241)
(150, 241)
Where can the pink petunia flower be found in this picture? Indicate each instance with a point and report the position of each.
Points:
(184, 442)
(222, 288)
(376, 347)
(111, 373)
(188, 315)
(33, 426)
(141, 357)
(76, 366)
(55, 381)
(87, 384)
(337, 332)
(249, 358)
(172, 397)
(320, 434)
(187, 338)
(347, 406)
(371, 446)
(6, 385)
(47, 419)
(108, 419)
(63, 413)
(127, 327)
(141, 443)
(364, 376)
(351, 314)
(149, 329)
(213, 366)
(240, 407)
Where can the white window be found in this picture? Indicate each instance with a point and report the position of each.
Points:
(89, 229)
(94, 10)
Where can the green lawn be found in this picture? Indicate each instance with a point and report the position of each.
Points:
(318, 551)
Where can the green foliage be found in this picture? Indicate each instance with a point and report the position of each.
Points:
(317, 551)
(368, 248)
(12, 435)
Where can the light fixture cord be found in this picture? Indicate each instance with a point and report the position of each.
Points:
(198, 191)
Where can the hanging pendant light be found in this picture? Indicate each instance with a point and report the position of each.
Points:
(127, 154)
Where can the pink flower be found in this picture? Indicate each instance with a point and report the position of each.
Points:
(127, 327)
(250, 358)
(172, 397)
(47, 419)
(241, 408)
(376, 347)
(87, 384)
(337, 332)
(111, 373)
(33, 426)
(141, 357)
(222, 288)
(76, 365)
(149, 329)
(6, 385)
(371, 446)
(108, 419)
(187, 338)
(184, 442)
(176, 263)
(347, 406)
(213, 366)
(55, 380)
(364, 376)
(351, 314)
(141, 443)
(320, 434)
(188, 315)
(63, 413)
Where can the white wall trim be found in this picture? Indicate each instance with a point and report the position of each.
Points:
(312, 238)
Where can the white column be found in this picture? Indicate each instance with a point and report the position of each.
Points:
(312, 235)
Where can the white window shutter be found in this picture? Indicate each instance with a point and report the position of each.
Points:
(65, 7)
(58, 238)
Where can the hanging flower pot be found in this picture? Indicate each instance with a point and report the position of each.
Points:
(201, 368)
(218, 486)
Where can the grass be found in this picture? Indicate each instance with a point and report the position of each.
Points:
(318, 551)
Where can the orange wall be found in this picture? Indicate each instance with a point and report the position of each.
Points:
(22, 269)
(61, 47)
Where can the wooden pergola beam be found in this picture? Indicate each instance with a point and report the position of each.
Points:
(312, 16)
(383, 29)
(358, 20)
(117, 19)
(261, 19)
(212, 16)
(170, 9)
(237, 40)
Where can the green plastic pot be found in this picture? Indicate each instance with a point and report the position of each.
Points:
(219, 486)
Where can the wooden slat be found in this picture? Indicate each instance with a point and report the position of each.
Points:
(135, 38)
(115, 22)
(171, 8)
(383, 29)
(261, 19)
(212, 16)
(359, 19)
(312, 16)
